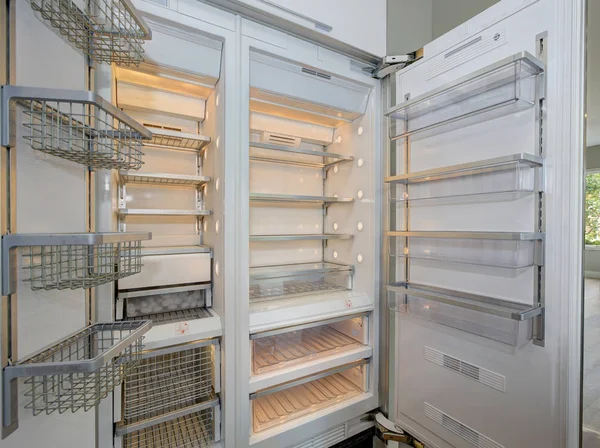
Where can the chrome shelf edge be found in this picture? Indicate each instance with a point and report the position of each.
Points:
(161, 212)
(309, 152)
(136, 177)
(479, 167)
(519, 312)
(338, 267)
(150, 251)
(506, 236)
(268, 197)
(317, 237)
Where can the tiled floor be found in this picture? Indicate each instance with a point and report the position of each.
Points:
(591, 368)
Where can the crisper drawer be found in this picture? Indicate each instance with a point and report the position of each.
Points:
(295, 399)
(176, 269)
(169, 389)
(277, 350)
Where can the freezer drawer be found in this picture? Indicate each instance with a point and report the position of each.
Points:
(176, 269)
(277, 350)
(284, 403)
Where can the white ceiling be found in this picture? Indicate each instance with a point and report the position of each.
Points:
(593, 74)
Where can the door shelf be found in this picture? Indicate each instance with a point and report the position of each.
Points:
(71, 260)
(284, 281)
(265, 152)
(112, 32)
(500, 320)
(511, 250)
(178, 140)
(300, 237)
(78, 371)
(163, 179)
(511, 176)
(79, 126)
(161, 212)
(292, 199)
(277, 350)
(198, 430)
(505, 87)
(295, 399)
(169, 380)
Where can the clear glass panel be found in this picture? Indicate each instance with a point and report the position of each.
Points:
(497, 253)
(278, 282)
(289, 404)
(286, 349)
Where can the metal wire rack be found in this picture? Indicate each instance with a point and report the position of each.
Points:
(168, 382)
(190, 431)
(71, 261)
(76, 125)
(284, 349)
(81, 369)
(110, 31)
(172, 317)
(178, 140)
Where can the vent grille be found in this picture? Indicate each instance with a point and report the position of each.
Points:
(460, 429)
(158, 126)
(324, 440)
(281, 140)
(312, 72)
(479, 374)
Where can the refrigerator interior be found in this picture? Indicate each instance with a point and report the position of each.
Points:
(171, 398)
(311, 227)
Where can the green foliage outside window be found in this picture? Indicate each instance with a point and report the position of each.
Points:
(592, 209)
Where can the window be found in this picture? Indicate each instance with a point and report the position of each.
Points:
(592, 209)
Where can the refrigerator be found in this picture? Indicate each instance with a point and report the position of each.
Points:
(270, 244)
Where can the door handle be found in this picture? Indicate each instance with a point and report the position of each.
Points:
(318, 24)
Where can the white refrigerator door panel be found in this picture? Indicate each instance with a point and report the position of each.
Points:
(441, 376)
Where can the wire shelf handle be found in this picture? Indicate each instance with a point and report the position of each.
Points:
(73, 124)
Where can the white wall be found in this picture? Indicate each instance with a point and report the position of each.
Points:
(448, 14)
(413, 23)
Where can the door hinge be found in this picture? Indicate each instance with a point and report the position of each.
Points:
(391, 64)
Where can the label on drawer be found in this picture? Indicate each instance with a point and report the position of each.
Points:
(182, 328)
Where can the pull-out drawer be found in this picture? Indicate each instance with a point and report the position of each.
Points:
(295, 399)
(290, 353)
(172, 389)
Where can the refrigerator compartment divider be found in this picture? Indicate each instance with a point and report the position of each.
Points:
(513, 176)
(510, 250)
(294, 399)
(198, 430)
(77, 371)
(161, 179)
(71, 260)
(169, 380)
(502, 88)
(76, 125)
(292, 199)
(501, 320)
(177, 140)
(161, 212)
(296, 156)
(284, 281)
(109, 31)
(300, 237)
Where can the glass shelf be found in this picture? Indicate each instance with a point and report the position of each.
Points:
(177, 140)
(265, 152)
(161, 212)
(500, 320)
(505, 87)
(293, 198)
(509, 177)
(494, 249)
(300, 237)
(295, 399)
(162, 179)
(284, 281)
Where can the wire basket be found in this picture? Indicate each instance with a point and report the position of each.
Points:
(109, 31)
(73, 261)
(190, 431)
(80, 370)
(168, 382)
(76, 125)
